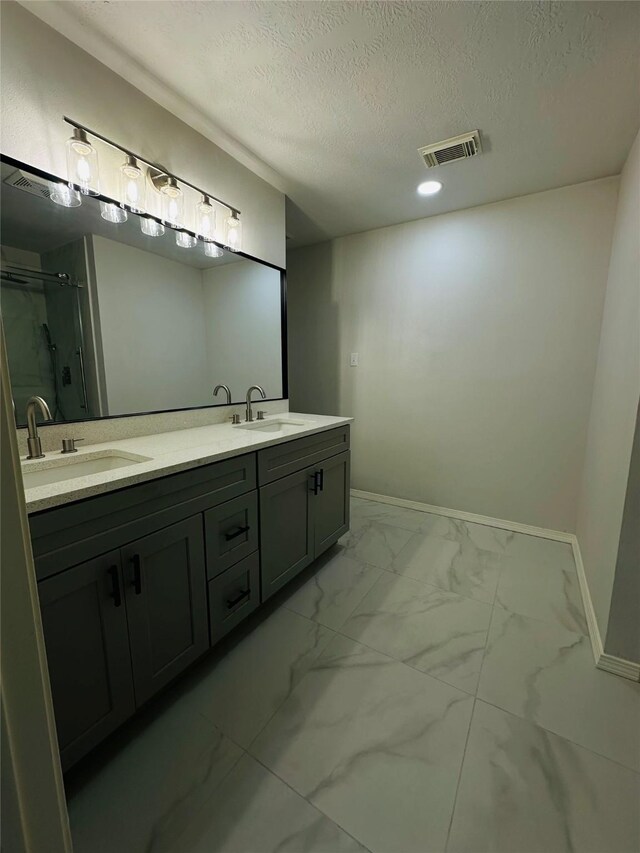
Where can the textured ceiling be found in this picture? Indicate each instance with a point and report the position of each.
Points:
(330, 100)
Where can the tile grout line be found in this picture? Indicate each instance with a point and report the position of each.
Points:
(303, 797)
(464, 755)
(538, 725)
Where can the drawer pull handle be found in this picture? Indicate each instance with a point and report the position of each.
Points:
(231, 602)
(115, 586)
(137, 574)
(237, 532)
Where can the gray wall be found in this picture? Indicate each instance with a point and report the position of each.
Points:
(477, 333)
(44, 76)
(615, 401)
(623, 634)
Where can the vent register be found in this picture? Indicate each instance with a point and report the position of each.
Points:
(451, 150)
(29, 184)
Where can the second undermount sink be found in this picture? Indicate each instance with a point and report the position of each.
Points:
(284, 426)
(56, 470)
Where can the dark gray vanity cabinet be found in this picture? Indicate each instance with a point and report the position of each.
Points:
(85, 627)
(304, 513)
(166, 600)
(136, 584)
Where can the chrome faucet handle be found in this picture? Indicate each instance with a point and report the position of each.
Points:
(235, 419)
(69, 445)
(261, 414)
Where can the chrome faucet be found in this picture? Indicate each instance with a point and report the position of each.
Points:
(33, 441)
(224, 388)
(249, 416)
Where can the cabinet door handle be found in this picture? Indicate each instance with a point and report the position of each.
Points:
(137, 574)
(316, 482)
(115, 586)
(322, 479)
(237, 532)
(231, 602)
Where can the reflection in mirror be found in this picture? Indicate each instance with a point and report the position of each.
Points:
(102, 319)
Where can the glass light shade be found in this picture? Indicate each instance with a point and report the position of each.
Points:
(233, 232)
(64, 195)
(82, 163)
(172, 202)
(187, 241)
(150, 227)
(132, 185)
(206, 219)
(213, 251)
(112, 212)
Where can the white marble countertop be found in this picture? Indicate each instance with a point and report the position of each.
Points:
(167, 452)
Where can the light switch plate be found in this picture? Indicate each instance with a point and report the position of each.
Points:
(354, 359)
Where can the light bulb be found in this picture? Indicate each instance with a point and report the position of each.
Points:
(233, 232)
(112, 212)
(172, 202)
(206, 225)
(150, 227)
(213, 251)
(429, 188)
(64, 195)
(185, 240)
(132, 184)
(82, 163)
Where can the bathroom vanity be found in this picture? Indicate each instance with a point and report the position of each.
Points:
(138, 581)
(169, 524)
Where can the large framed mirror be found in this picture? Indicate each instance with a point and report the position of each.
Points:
(103, 320)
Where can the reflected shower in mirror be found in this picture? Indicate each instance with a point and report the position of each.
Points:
(102, 319)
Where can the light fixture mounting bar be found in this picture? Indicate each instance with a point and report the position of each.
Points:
(157, 166)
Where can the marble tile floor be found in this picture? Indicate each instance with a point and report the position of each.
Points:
(426, 686)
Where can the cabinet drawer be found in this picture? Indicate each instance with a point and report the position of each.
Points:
(231, 531)
(291, 456)
(233, 595)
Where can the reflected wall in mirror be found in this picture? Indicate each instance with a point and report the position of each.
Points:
(102, 320)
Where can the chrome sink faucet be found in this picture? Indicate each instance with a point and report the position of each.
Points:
(259, 388)
(224, 388)
(33, 441)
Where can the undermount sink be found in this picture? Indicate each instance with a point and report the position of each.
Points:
(57, 470)
(281, 425)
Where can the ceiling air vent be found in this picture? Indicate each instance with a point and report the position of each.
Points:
(456, 148)
(29, 184)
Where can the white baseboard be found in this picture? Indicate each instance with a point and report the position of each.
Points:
(610, 663)
(516, 526)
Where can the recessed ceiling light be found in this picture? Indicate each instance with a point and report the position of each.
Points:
(429, 187)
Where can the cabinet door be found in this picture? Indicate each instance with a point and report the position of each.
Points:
(85, 630)
(286, 535)
(166, 604)
(331, 506)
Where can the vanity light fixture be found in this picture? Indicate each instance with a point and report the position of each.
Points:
(82, 163)
(233, 232)
(113, 212)
(64, 194)
(212, 251)
(429, 187)
(206, 215)
(151, 227)
(132, 184)
(185, 240)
